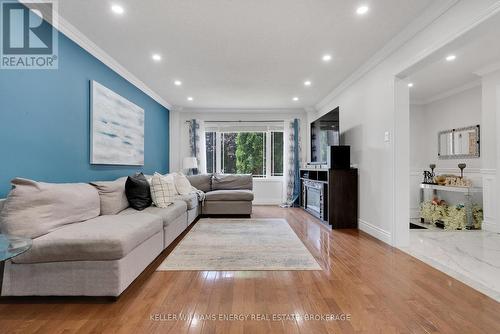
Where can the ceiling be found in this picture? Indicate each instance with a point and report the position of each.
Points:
(474, 51)
(241, 53)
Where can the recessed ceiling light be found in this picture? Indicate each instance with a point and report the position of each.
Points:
(117, 9)
(451, 58)
(156, 57)
(295, 98)
(362, 10)
(190, 98)
(327, 58)
(307, 83)
(410, 84)
(177, 82)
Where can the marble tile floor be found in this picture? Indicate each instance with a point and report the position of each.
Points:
(472, 257)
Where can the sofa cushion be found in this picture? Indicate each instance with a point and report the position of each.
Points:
(201, 182)
(138, 191)
(190, 199)
(163, 190)
(35, 208)
(232, 182)
(99, 239)
(168, 214)
(112, 195)
(182, 184)
(229, 195)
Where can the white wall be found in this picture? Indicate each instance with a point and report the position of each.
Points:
(456, 111)
(418, 142)
(490, 138)
(367, 110)
(426, 121)
(418, 155)
(266, 191)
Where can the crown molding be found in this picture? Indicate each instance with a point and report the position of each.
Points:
(242, 110)
(310, 109)
(85, 43)
(448, 93)
(490, 68)
(419, 24)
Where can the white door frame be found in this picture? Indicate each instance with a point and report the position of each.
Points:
(401, 174)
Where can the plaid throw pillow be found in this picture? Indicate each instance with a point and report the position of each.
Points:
(163, 190)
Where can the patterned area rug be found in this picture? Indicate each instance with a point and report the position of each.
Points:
(240, 244)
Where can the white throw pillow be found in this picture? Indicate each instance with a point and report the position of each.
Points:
(163, 190)
(182, 184)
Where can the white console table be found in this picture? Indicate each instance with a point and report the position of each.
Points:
(467, 191)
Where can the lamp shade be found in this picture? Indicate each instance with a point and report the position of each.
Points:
(189, 163)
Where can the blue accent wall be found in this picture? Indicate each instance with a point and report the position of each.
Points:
(45, 121)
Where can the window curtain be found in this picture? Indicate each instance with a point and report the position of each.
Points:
(197, 143)
(293, 153)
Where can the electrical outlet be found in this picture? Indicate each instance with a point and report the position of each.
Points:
(387, 136)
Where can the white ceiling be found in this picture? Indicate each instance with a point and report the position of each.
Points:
(475, 50)
(241, 53)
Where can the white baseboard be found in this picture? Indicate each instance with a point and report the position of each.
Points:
(266, 203)
(490, 226)
(375, 231)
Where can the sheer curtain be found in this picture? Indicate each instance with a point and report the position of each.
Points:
(293, 150)
(197, 143)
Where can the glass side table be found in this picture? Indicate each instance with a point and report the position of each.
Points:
(11, 246)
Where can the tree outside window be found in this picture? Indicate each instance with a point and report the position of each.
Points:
(246, 153)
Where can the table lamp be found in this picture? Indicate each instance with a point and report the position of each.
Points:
(190, 164)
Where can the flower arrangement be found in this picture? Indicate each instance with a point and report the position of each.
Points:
(454, 217)
(477, 215)
(433, 210)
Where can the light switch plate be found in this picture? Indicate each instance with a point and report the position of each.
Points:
(387, 136)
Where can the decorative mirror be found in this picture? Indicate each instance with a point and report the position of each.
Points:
(459, 143)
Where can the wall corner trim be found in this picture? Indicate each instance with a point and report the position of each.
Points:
(453, 91)
(375, 231)
(242, 110)
(79, 38)
(85, 43)
(490, 68)
(419, 24)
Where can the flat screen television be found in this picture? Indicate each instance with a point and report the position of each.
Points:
(325, 132)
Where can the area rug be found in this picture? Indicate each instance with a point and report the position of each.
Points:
(240, 244)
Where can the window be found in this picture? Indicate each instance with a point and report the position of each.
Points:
(259, 153)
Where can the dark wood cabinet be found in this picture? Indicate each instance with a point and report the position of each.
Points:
(331, 195)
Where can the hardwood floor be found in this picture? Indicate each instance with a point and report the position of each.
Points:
(380, 289)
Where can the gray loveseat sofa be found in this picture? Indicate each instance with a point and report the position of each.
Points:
(103, 255)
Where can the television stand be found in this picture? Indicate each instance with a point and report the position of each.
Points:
(330, 195)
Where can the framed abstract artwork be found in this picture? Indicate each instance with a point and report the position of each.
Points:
(116, 128)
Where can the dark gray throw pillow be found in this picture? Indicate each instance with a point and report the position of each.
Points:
(138, 191)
